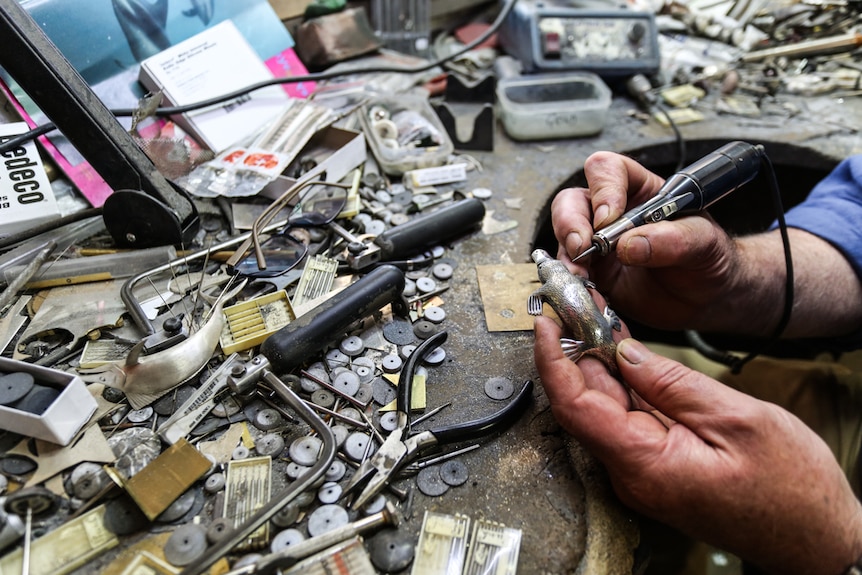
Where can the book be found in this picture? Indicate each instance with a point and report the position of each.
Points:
(212, 63)
(26, 197)
(122, 33)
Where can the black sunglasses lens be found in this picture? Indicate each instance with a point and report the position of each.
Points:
(281, 252)
(319, 206)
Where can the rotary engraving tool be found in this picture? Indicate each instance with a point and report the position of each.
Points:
(689, 191)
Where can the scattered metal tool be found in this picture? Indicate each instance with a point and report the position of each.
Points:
(400, 447)
(29, 503)
(144, 378)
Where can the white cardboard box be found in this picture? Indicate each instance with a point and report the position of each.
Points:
(213, 63)
(63, 418)
(26, 197)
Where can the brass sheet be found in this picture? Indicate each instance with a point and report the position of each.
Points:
(505, 290)
(167, 477)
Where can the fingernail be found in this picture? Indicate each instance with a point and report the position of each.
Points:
(632, 351)
(637, 250)
(601, 215)
(574, 243)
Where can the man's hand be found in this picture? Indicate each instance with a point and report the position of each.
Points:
(717, 464)
(668, 274)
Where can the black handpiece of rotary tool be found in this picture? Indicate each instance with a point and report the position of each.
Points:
(689, 191)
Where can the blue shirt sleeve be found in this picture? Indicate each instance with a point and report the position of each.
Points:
(833, 212)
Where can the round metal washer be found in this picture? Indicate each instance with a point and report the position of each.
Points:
(391, 550)
(326, 518)
(267, 419)
(286, 538)
(124, 517)
(382, 391)
(340, 432)
(424, 329)
(399, 219)
(309, 385)
(214, 483)
(218, 529)
(305, 450)
(88, 479)
(454, 473)
(351, 412)
(434, 314)
(336, 471)
(399, 332)
(323, 398)
(329, 492)
(17, 465)
(355, 445)
(351, 346)
(436, 357)
(430, 483)
(375, 505)
(426, 284)
(337, 358)
(227, 407)
(364, 394)
(271, 444)
(389, 421)
(442, 271)
(286, 516)
(186, 543)
(363, 367)
(406, 351)
(409, 288)
(182, 505)
(240, 452)
(140, 415)
(391, 363)
(482, 193)
(14, 386)
(374, 227)
(295, 470)
(37, 500)
(38, 399)
(499, 388)
(347, 382)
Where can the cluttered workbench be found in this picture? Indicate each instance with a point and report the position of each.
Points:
(131, 494)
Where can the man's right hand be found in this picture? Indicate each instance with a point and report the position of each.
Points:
(668, 274)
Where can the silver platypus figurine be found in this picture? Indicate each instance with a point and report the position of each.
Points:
(568, 295)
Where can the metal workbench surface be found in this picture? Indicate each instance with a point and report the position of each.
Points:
(533, 477)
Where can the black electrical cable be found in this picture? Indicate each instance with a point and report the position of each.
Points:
(735, 362)
(313, 77)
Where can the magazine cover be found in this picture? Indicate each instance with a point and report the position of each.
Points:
(106, 41)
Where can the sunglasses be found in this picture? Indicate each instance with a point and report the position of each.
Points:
(279, 253)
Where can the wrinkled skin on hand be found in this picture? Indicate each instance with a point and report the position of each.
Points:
(721, 466)
(690, 261)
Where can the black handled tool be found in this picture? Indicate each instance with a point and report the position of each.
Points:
(311, 332)
(689, 191)
(400, 447)
(430, 229)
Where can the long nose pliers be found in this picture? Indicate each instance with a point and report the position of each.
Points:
(400, 447)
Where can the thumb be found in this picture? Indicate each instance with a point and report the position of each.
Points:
(680, 393)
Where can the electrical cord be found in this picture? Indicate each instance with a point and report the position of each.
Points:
(312, 77)
(735, 362)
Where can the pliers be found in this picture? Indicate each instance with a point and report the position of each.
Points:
(400, 446)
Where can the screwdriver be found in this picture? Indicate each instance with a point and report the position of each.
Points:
(689, 191)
